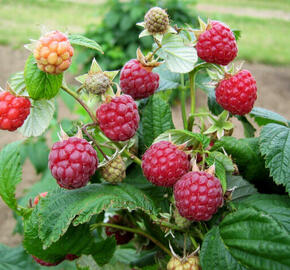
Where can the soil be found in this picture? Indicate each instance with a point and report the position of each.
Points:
(273, 94)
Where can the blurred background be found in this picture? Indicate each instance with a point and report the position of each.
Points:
(264, 46)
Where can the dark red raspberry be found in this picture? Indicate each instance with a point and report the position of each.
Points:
(41, 195)
(198, 195)
(72, 162)
(53, 52)
(71, 257)
(237, 93)
(119, 118)
(163, 164)
(217, 44)
(13, 111)
(137, 80)
(122, 237)
(41, 262)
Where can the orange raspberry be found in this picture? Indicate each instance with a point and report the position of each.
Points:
(53, 52)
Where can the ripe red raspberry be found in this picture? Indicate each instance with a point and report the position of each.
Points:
(237, 93)
(72, 162)
(53, 52)
(41, 195)
(71, 257)
(156, 20)
(217, 44)
(198, 195)
(137, 80)
(122, 237)
(163, 164)
(41, 262)
(119, 118)
(13, 111)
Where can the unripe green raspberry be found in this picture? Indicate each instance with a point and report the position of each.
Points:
(97, 83)
(115, 171)
(191, 263)
(180, 221)
(156, 20)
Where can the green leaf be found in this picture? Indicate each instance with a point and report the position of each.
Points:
(85, 42)
(167, 79)
(276, 205)
(41, 114)
(180, 136)
(37, 151)
(237, 34)
(136, 178)
(275, 146)
(249, 238)
(15, 259)
(104, 250)
(62, 207)
(156, 119)
(178, 56)
(263, 117)
(246, 154)
(223, 164)
(242, 188)
(76, 240)
(17, 83)
(215, 255)
(10, 173)
(39, 84)
(249, 130)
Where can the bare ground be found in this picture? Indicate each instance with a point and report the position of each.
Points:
(273, 94)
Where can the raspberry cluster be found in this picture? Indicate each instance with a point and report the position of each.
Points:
(97, 83)
(191, 263)
(238, 93)
(156, 20)
(217, 44)
(72, 162)
(119, 118)
(122, 237)
(163, 164)
(198, 195)
(138, 81)
(13, 111)
(53, 52)
(115, 171)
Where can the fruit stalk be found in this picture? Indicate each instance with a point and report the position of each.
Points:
(84, 129)
(76, 97)
(137, 231)
(183, 102)
(192, 76)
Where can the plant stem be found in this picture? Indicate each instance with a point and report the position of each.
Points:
(133, 230)
(166, 224)
(192, 76)
(84, 129)
(76, 97)
(183, 102)
(129, 154)
(193, 242)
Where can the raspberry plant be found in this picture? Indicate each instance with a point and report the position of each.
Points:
(122, 187)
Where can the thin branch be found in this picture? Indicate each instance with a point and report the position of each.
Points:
(133, 230)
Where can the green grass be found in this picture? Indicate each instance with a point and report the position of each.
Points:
(262, 40)
(22, 20)
(283, 5)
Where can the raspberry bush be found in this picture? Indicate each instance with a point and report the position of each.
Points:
(121, 186)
